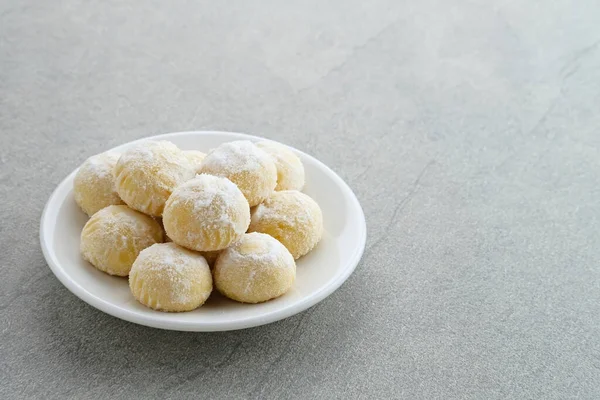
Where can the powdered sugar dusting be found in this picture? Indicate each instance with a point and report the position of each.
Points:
(295, 211)
(102, 165)
(173, 264)
(148, 172)
(249, 167)
(169, 277)
(195, 157)
(290, 171)
(291, 217)
(206, 213)
(112, 239)
(259, 249)
(94, 184)
(255, 268)
(234, 157)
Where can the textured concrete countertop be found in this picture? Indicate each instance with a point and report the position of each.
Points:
(469, 131)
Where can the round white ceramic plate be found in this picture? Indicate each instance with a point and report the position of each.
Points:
(318, 274)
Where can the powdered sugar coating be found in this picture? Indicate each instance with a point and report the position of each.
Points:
(114, 236)
(290, 171)
(291, 217)
(250, 168)
(206, 213)
(94, 184)
(254, 269)
(147, 174)
(195, 157)
(167, 277)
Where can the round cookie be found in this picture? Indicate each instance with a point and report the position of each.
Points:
(94, 183)
(167, 277)
(114, 236)
(254, 269)
(195, 157)
(291, 217)
(290, 171)
(250, 168)
(206, 213)
(148, 172)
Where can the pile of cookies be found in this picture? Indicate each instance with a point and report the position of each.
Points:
(179, 222)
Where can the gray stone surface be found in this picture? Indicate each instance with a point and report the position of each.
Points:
(469, 130)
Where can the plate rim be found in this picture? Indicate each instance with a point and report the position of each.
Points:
(244, 323)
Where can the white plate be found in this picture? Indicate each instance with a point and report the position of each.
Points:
(319, 273)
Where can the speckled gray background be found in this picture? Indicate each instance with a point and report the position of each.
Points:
(469, 130)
